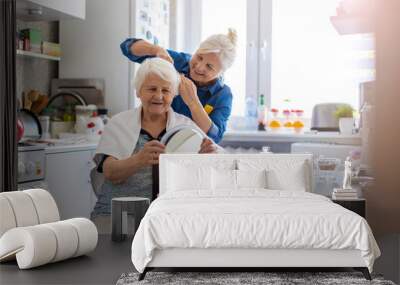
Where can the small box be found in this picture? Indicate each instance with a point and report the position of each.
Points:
(52, 49)
(35, 39)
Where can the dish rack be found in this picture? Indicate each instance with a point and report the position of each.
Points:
(328, 174)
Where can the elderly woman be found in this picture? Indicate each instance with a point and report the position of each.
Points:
(203, 96)
(130, 146)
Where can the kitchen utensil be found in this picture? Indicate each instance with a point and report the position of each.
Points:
(65, 98)
(32, 127)
(20, 130)
(30, 98)
(26, 102)
(61, 102)
(33, 95)
(57, 127)
(91, 90)
(323, 117)
(45, 124)
(40, 104)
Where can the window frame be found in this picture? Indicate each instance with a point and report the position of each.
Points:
(258, 43)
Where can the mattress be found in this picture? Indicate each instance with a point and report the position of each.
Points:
(250, 219)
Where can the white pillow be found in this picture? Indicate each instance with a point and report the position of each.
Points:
(293, 180)
(223, 179)
(251, 178)
(182, 177)
(282, 173)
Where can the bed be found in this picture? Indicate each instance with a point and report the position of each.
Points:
(247, 211)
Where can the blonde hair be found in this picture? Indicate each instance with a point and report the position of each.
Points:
(223, 45)
(159, 67)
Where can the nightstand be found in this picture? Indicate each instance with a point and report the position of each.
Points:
(355, 205)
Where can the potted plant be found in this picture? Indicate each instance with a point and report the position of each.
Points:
(346, 121)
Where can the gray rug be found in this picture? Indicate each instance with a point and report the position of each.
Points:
(270, 278)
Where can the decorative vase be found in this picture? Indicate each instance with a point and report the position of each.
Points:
(346, 126)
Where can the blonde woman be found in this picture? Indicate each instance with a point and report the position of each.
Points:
(204, 97)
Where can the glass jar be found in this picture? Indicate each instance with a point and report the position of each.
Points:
(86, 111)
(274, 123)
(287, 119)
(68, 114)
(83, 114)
(298, 123)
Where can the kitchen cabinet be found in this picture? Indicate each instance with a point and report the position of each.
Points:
(50, 10)
(68, 178)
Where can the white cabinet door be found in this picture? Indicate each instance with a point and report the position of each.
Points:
(68, 176)
(51, 10)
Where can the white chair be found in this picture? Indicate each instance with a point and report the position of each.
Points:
(31, 230)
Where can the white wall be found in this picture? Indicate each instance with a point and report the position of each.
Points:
(90, 49)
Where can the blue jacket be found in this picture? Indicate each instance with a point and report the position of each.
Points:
(216, 98)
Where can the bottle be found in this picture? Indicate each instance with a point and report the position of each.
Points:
(261, 113)
(251, 108)
(250, 120)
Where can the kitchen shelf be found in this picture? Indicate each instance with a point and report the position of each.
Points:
(37, 55)
(347, 25)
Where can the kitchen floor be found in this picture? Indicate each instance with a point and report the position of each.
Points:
(102, 266)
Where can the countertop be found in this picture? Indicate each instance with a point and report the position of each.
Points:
(275, 136)
(58, 148)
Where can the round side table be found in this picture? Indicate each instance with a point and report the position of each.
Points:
(125, 212)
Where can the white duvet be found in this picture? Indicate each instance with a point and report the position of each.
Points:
(250, 219)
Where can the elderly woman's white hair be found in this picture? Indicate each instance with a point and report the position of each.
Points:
(223, 45)
(159, 67)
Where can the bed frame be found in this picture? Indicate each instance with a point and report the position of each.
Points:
(241, 260)
(248, 259)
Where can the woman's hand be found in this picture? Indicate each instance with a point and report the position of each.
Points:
(208, 146)
(150, 153)
(188, 91)
(162, 53)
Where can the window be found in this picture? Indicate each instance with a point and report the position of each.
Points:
(311, 62)
(217, 17)
(289, 51)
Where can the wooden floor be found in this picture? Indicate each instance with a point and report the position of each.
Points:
(102, 266)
